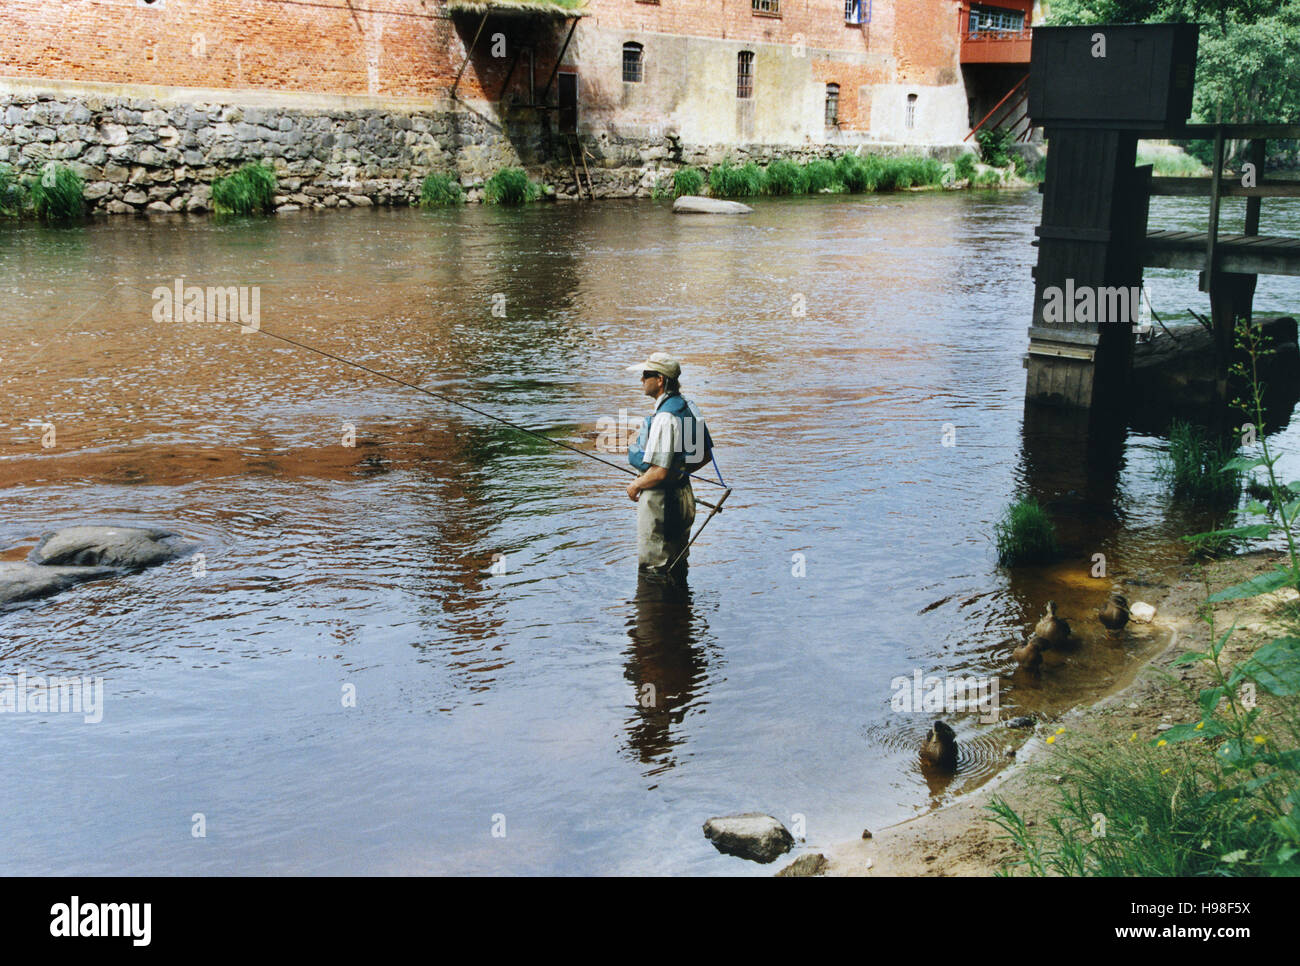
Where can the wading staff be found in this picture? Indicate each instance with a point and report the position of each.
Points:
(721, 500)
(450, 401)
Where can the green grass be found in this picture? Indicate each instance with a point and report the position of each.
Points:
(1132, 810)
(439, 190)
(785, 178)
(965, 166)
(58, 195)
(248, 191)
(728, 181)
(821, 176)
(1025, 534)
(986, 179)
(511, 186)
(902, 173)
(853, 173)
(1171, 163)
(1192, 467)
(13, 193)
(687, 181)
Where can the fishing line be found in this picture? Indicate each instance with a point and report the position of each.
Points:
(447, 399)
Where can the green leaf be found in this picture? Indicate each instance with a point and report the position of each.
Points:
(1253, 530)
(1188, 732)
(1276, 667)
(1257, 508)
(1240, 463)
(1232, 858)
(1217, 647)
(1191, 657)
(1209, 700)
(1263, 584)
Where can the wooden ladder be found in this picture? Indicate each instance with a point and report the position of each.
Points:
(581, 153)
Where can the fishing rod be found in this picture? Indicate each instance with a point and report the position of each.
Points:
(721, 500)
(453, 402)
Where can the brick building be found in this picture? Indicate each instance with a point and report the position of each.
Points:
(771, 71)
(361, 91)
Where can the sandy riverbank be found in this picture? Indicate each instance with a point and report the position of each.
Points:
(958, 840)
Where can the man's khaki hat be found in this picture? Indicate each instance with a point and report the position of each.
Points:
(660, 362)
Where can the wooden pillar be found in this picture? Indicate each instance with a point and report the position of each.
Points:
(1094, 223)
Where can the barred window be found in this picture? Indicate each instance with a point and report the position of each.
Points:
(632, 73)
(767, 6)
(995, 19)
(832, 105)
(745, 74)
(854, 13)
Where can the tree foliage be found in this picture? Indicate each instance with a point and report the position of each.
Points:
(1248, 64)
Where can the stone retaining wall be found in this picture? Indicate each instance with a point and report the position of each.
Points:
(160, 155)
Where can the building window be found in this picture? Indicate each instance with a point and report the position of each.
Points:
(911, 111)
(995, 20)
(745, 74)
(832, 105)
(770, 7)
(632, 73)
(857, 11)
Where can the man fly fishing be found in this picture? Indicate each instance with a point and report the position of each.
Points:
(673, 443)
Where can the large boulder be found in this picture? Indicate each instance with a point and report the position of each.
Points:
(752, 835)
(696, 205)
(129, 548)
(24, 581)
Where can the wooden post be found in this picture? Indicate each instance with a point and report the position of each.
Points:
(469, 53)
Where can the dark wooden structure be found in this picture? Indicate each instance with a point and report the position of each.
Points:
(1096, 90)
(1091, 89)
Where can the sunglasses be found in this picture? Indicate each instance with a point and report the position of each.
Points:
(651, 375)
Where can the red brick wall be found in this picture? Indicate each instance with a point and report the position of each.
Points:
(320, 46)
(926, 41)
(820, 21)
(411, 48)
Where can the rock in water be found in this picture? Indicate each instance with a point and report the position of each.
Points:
(129, 548)
(24, 581)
(695, 205)
(1142, 612)
(751, 836)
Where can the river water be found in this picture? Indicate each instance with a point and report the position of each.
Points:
(520, 705)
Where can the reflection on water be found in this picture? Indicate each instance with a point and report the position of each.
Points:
(667, 668)
(478, 589)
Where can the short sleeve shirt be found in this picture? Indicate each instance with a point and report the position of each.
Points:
(664, 439)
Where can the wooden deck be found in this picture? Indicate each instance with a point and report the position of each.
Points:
(1246, 254)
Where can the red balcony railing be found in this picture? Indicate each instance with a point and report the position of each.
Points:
(986, 45)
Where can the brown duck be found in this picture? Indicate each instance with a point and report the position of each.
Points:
(940, 747)
(1054, 630)
(1030, 654)
(1114, 614)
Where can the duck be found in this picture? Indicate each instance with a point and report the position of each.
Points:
(1030, 654)
(1114, 614)
(940, 746)
(1054, 630)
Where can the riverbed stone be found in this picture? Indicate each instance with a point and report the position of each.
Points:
(814, 863)
(751, 835)
(697, 205)
(99, 546)
(24, 581)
